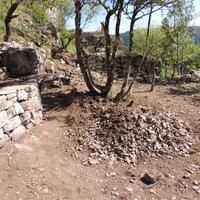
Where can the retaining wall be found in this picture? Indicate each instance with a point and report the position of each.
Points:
(20, 109)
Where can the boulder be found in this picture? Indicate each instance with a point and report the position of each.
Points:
(18, 60)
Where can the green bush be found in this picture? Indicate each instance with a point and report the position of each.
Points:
(166, 74)
(191, 68)
(2, 13)
(38, 12)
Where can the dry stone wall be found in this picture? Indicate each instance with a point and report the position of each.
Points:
(97, 61)
(20, 109)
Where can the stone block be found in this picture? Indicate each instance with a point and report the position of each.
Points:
(37, 117)
(6, 105)
(22, 95)
(12, 124)
(27, 105)
(11, 96)
(3, 118)
(2, 99)
(18, 108)
(7, 90)
(11, 112)
(30, 88)
(1, 133)
(26, 116)
(29, 125)
(17, 133)
(38, 104)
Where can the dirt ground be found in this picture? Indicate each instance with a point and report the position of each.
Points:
(46, 164)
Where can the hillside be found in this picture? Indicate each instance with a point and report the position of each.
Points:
(194, 30)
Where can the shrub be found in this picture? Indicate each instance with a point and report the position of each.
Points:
(38, 12)
(191, 68)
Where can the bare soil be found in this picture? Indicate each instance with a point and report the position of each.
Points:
(47, 164)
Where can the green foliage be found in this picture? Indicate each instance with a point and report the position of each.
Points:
(2, 10)
(155, 42)
(191, 68)
(166, 73)
(195, 56)
(2, 14)
(177, 41)
(38, 12)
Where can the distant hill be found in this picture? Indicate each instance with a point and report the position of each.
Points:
(194, 30)
(125, 38)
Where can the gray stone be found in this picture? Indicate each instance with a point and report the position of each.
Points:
(1, 133)
(12, 124)
(26, 116)
(17, 133)
(93, 162)
(29, 125)
(2, 99)
(11, 112)
(27, 105)
(29, 88)
(3, 118)
(37, 117)
(22, 95)
(11, 96)
(18, 108)
(6, 105)
(8, 90)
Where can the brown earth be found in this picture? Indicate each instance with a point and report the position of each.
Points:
(47, 164)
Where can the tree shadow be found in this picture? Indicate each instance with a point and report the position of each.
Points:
(60, 100)
(181, 90)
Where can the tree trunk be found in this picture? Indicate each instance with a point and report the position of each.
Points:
(112, 62)
(153, 78)
(79, 50)
(119, 96)
(9, 18)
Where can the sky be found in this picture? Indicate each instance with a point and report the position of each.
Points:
(94, 25)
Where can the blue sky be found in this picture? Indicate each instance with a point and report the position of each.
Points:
(94, 25)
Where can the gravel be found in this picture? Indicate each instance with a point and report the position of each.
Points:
(132, 134)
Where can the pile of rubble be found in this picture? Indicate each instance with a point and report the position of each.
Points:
(132, 134)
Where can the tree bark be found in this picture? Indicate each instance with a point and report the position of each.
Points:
(120, 95)
(123, 91)
(112, 63)
(79, 50)
(9, 18)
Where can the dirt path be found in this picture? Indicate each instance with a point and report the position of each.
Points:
(45, 164)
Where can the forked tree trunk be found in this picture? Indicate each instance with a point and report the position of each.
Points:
(123, 91)
(80, 51)
(112, 63)
(120, 95)
(110, 58)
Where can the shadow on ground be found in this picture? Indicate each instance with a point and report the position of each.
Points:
(59, 100)
(181, 90)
